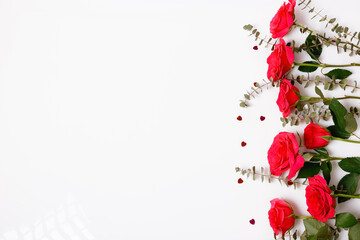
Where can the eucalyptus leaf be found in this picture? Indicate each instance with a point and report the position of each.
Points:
(350, 123)
(318, 92)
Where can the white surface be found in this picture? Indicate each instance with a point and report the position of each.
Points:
(118, 119)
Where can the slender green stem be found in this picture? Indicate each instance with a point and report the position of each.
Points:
(302, 217)
(327, 65)
(332, 158)
(327, 99)
(344, 140)
(345, 195)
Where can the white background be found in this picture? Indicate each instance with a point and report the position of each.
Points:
(118, 119)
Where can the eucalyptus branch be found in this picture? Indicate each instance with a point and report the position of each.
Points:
(252, 172)
(256, 33)
(257, 89)
(335, 27)
(336, 41)
(328, 83)
(309, 112)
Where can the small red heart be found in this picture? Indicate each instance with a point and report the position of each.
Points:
(262, 118)
(290, 183)
(252, 221)
(255, 48)
(255, 84)
(243, 144)
(239, 118)
(240, 181)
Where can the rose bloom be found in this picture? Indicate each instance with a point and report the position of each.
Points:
(280, 61)
(283, 20)
(313, 134)
(283, 155)
(280, 216)
(318, 199)
(287, 98)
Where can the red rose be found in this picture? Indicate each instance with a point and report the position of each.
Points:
(283, 155)
(288, 97)
(283, 20)
(318, 199)
(313, 134)
(280, 61)
(280, 216)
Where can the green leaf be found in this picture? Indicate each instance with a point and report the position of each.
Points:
(338, 74)
(308, 156)
(337, 132)
(350, 164)
(309, 169)
(308, 68)
(311, 49)
(313, 226)
(345, 220)
(354, 232)
(350, 123)
(316, 230)
(338, 111)
(318, 92)
(326, 168)
(322, 151)
(348, 184)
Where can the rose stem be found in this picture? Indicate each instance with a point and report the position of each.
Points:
(344, 140)
(345, 195)
(327, 65)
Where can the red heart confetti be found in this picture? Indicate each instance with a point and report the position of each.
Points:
(252, 221)
(255, 48)
(239, 118)
(243, 144)
(262, 118)
(240, 181)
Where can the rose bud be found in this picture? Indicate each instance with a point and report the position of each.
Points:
(280, 61)
(283, 155)
(281, 216)
(283, 20)
(288, 97)
(313, 134)
(318, 199)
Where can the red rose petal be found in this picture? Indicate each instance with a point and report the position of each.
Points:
(262, 118)
(240, 181)
(243, 144)
(252, 221)
(239, 118)
(255, 48)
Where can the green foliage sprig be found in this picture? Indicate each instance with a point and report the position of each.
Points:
(268, 41)
(251, 172)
